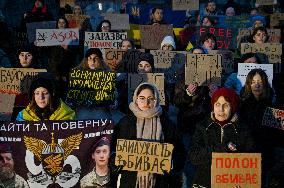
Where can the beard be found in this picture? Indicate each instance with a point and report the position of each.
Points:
(6, 172)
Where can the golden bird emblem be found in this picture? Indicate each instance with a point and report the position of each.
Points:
(52, 155)
(135, 11)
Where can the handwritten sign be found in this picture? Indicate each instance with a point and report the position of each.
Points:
(76, 21)
(69, 2)
(113, 58)
(90, 87)
(276, 18)
(272, 50)
(228, 59)
(118, 21)
(185, 5)
(17, 80)
(154, 78)
(245, 68)
(224, 36)
(72, 140)
(6, 106)
(104, 39)
(57, 37)
(203, 69)
(171, 63)
(273, 118)
(153, 35)
(32, 27)
(133, 156)
(266, 2)
(236, 169)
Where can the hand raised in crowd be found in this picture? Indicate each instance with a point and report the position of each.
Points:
(192, 88)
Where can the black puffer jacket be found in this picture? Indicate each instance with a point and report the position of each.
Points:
(126, 129)
(211, 137)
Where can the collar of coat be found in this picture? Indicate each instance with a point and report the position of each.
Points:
(233, 121)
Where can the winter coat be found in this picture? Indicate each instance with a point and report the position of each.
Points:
(192, 109)
(211, 137)
(63, 112)
(126, 129)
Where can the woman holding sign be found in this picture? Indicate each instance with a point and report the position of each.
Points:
(45, 103)
(219, 132)
(146, 123)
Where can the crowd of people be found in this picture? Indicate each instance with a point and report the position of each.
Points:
(197, 119)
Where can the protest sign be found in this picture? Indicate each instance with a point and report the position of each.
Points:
(153, 35)
(90, 87)
(272, 50)
(185, 5)
(6, 106)
(245, 68)
(118, 21)
(228, 59)
(134, 157)
(33, 26)
(266, 2)
(65, 2)
(17, 80)
(113, 57)
(57, 37)
(274, 35)
(275, 19)
(76, 21)
(224, 36)
(154, 78)
(104, 39)
(236, 170)
(21, 38)
(273, 118)
(54, 153)
(171, 63)
(203, 69)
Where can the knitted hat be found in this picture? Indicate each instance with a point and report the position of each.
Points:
(145, 57)
(5, 148)
(101, 142)
(168, 40)
(228, 94)
(94, 51)
(27, 48)
(45, 80)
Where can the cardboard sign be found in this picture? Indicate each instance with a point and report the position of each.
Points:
(69, 2)
(273, 118)
(104, 39)
(245, 68)
(236, 169)
(90, 87)
(134, 157)
(185, 5)
(224, 36)
(153, 35)
(17, 80)
(76, 21)
(272, 50)
(57, 37)
(6, 106)
(266, 2)
(171, 63)
(154, 78)
(273, 34)
(228, 59)
(203, 69)
(113, 57)
(276, 18)
(118, 21)
(54, 153)
(32, 27)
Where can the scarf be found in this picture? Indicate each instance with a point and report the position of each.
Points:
(149, 128)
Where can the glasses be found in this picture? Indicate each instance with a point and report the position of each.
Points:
(146, 100)
(105, 26)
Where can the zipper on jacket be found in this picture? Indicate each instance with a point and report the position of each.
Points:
(222, 134)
